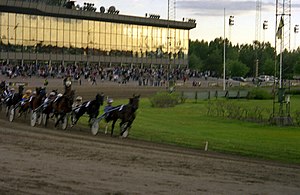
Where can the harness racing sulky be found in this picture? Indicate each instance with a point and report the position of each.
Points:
(125, 113)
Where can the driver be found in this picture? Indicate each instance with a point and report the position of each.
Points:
(8, 93)
(109, 106)
(49, 99)
(77, 103)
(26, 96)
(67, 82)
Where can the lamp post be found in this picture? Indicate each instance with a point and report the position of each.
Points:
(231, 20)
(296, 28)
(265, 27)
(224, 53)
(231, 23)
(296, 31)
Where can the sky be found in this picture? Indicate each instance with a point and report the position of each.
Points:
(209, 16)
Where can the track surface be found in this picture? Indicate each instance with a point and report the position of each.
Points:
(51, 161)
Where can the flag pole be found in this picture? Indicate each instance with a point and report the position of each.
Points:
(224, 54)
(280, 63)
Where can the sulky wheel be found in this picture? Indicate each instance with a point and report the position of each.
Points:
(11, 115)
(39, 118)
(33, 119)
(44, 119)
(64, 124)
(95, 127)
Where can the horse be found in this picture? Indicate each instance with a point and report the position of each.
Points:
(25, 106)
(47, 106)
(2, 87)
(126, 113)
(89, 107)
(62, 106)
(36, 102)
(2, 96)
(14, 100)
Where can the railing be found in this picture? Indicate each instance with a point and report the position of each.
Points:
(206, 95)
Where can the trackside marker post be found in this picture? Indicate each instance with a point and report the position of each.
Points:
(206, 146)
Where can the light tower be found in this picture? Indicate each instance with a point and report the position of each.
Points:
(283, 11)
(281, 103)
(172, 9)
(171, 33)
(258, 21)
(171, 36)
(257, 35)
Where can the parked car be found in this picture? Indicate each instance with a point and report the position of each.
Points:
(242, 79)
(263, 78)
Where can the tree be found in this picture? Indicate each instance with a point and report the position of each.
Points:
(236, 68)
(206, 56)
(195, 62)
(214, 63)
(268, 67)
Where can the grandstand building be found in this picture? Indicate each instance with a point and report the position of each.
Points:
(36, 32)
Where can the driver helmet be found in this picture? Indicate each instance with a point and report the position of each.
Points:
(12, 89)
(34, 93)
(110, 101)
(78, 98)
(28, 91)
(59, 95)
(68, 83)
(52, 93)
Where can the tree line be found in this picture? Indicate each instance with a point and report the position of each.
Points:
(244, 60)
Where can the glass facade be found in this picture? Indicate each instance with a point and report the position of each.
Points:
(55, 35)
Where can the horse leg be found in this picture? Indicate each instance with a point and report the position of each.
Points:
(7, 110)
(122, 130)
(46, 120)
(74, 119)
(60, 117)
(112, 127)
(127, 123)
(20, 112)
(106, 127)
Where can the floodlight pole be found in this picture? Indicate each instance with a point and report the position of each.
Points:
(168, 37)
(224, 57)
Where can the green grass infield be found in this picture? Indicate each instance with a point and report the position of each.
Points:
(189, 125)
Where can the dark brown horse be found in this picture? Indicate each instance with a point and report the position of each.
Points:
(36, 107)
(63, 105)
(25, 107)
(33, 102)
(126, 113)
(37, 100)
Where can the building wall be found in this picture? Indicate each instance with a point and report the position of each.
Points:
(38, 37)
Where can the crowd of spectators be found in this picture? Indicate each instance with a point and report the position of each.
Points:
(147, 76)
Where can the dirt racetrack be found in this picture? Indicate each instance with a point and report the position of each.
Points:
(51, 161)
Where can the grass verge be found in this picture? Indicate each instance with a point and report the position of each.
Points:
(188, 125)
